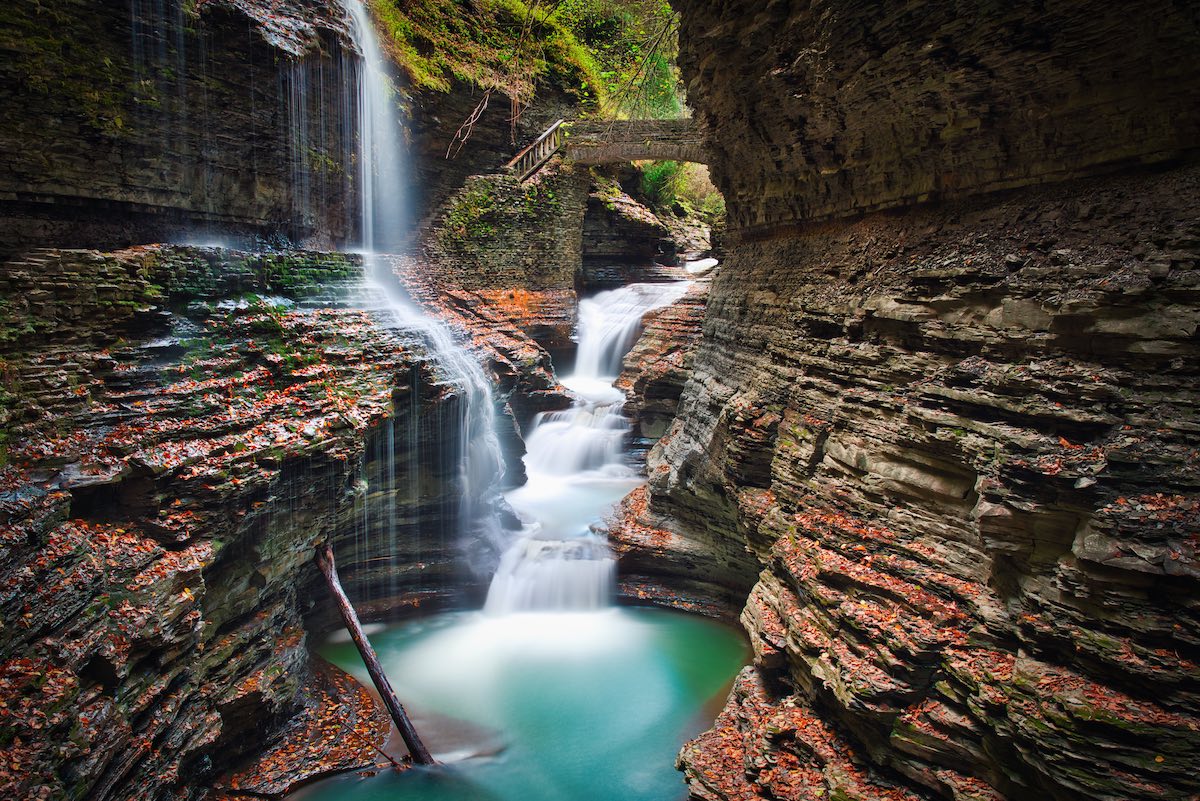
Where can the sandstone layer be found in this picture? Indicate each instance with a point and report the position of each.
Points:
(184, 427)
(956, 440)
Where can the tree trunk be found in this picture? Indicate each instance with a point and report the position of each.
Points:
(420, 753)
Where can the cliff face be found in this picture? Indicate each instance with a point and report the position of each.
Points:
(849, 107)
(958, 440)
(133, 122)
(130, 122)
(175, 451)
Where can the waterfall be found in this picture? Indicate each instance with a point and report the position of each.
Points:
(577, 467)
(382, 174)
(576, 460)
(383, 203)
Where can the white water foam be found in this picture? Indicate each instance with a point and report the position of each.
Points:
(577, 467)
(382, 180)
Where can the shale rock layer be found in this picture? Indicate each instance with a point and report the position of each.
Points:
(175, 448)
(957, 439)
(964, 452)
(127, 121)
(838, 107)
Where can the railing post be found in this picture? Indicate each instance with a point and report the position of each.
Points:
(527, 162)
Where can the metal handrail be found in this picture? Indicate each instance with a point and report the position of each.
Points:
(530, 159)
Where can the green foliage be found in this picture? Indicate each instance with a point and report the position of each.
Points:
(635, 44)
(687, 186)
(661, 182)
(617, 56)
(505, 45)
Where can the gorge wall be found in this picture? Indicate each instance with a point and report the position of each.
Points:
(955, 440)
(182, 427)
(217, 120)
(130, 122)
(174, 454)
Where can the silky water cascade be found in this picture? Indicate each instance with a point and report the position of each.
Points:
(550, 692)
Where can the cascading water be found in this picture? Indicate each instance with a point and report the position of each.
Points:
(577, 467)
(520, 676)
(384, 228)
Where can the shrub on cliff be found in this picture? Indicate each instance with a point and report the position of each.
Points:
(501, 45)
(635, 44)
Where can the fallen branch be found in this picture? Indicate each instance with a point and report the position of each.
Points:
(420, 754)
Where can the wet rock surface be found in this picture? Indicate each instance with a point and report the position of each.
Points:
(958, 437)
(340, 727)
(655, 371)
(493, 325)
(961, 443)
(184, 427)
(516, 247)
(131, 122)
(624, 241)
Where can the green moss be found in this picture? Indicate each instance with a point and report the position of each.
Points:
(13, 326)
(493, 44)
(187, 275)
(469, 215)
(59, 59)
(540, 198)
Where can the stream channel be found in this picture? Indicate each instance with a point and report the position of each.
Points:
(551, 693)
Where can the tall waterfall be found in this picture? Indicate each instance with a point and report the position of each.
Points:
(383, 184)
(577, 467)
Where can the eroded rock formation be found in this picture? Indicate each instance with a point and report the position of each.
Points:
(625, 242)
(958, 440)
(176, 449)
(131, 122)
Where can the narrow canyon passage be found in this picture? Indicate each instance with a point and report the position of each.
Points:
(709, 401)
(552, 692)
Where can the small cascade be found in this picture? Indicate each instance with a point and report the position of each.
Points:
(609, 324)
(383, 173)
(577, 467)
(384, 228)
(563, 575)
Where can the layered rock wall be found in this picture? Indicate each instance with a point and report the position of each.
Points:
(848, 107)
(624, 241)
(175, 448)
(957, 439)
(130, 121)
(516, 244)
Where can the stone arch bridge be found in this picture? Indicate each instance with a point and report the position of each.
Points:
(613, 141)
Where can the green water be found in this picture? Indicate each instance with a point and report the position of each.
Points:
(589, 706)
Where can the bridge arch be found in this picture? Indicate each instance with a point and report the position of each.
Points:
(615, 141)
(612, 142)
